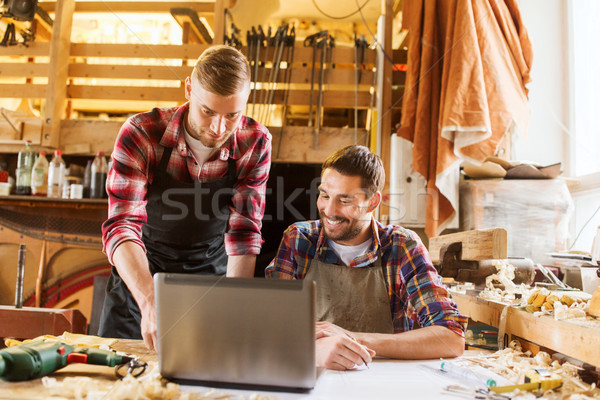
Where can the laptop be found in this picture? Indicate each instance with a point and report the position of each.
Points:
(236, 332)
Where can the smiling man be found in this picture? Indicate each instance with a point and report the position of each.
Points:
(186, 192)
(375, 283)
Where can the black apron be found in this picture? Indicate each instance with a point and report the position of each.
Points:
(184, 233)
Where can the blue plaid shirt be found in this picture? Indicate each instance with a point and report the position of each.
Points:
(416, 292)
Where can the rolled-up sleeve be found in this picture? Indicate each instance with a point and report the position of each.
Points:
(248, 203)
(126, 186)
(429, 302)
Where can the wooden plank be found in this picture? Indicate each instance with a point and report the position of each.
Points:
(24, 91)
(302, 55)
(384, 100)
(577, 340)
(30, 322)
(126, 93)
(341, 55)
(161, 72)
(129, 50)
(34, 49)
(56, 93)
(132, 6)
(74, 132)
(219, 24)
(477, 245)
(297, 143)
(28, 70)
(167, 72)
(295, 147)
(331, 99)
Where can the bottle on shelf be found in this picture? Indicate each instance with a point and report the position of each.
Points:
(56, 175)
(87, 180)
(24, 168)
(99, 173)
(39, 176)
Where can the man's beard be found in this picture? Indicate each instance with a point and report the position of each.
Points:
(343, 235)
(204, 135)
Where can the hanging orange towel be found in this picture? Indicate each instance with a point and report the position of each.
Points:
(468, 63)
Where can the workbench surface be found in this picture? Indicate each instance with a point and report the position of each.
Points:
(385, 379)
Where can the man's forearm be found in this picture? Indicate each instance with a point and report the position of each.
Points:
(423, 343)
(241, 266)
(132, 265)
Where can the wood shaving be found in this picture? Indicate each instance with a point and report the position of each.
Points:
(150, 386)
(504, 277)
(512, 363)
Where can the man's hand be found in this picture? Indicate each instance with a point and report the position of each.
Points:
(131, 263)
(341, 352)
(326, 328)
(148, 324)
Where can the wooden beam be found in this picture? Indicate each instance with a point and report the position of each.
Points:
(166, 72)
(297, 143)
(56, 93)
(34, 49)
(126, 93)
(23, 70)
(331, 98)
(477, 245)
(74, 132)
(302, 55)
(384, 100)
(183, 51)
(25, 91)
(160, 72)
(219, 26)
(132, 6)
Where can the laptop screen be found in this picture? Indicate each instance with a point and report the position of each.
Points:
(236, 330)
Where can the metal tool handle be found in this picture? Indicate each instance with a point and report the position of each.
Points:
(20, 277)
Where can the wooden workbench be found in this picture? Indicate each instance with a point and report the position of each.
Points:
(384, 379)
(577, 339)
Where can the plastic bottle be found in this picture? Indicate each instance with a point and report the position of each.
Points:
(56, 175)
(87, 180)
(24, 167)
(39, 176)
(99, 173)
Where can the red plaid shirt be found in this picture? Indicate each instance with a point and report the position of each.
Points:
(137, 153)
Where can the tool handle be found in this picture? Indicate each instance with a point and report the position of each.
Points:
(20, 277)
(96, 357)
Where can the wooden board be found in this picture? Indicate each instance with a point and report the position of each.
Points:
(297, 143)
(75, 132)
(477, 245)
(56, 93)
(131, 6)
(28, 322)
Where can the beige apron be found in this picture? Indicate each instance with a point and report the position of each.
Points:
(354, 298)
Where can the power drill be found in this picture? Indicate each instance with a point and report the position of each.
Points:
(36, 359)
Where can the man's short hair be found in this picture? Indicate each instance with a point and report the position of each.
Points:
(357, 160)
(222, 70)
